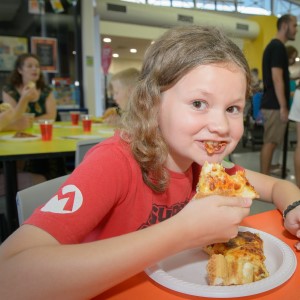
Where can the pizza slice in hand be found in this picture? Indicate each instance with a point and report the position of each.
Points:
(214, 180)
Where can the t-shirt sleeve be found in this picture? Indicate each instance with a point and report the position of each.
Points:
(277, 57)
(87, 196)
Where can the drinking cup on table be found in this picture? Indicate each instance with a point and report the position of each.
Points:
(74, 117)
(46, 127)
(30, 117)
(86, 123)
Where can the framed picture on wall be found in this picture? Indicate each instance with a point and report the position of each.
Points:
(46, 50)
(10, 48)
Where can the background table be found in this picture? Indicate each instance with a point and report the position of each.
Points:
(142, 287)
(60, 146)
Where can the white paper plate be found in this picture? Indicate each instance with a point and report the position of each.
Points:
(81, 137)
(11, 138)
(185, 272)
(71, 126)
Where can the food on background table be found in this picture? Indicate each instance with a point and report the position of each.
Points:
(214, 180)
(21, 134)
(5, 107)
(239, 261)
(31, 84)
(212, 147)
(110, 112)
(97, 119)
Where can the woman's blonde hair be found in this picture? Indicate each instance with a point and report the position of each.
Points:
(166, 61)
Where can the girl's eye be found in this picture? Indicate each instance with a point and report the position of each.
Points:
(234, 109)
(199, 105)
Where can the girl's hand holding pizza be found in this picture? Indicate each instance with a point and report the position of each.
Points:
(212, 219)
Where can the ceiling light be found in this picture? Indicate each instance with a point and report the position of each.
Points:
(133, 50)
(115, 55)
(107, 40)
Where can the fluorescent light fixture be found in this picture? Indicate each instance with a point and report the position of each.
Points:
(115, 55)
(133, 50)
(107, 40)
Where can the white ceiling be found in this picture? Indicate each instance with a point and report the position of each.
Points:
(122, 45)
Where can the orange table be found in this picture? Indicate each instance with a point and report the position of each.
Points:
(11, 151)
(142, 287)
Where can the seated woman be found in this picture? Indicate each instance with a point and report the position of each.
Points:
(27, 75)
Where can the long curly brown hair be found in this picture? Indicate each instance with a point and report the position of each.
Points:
(166, 61)
(15, 77)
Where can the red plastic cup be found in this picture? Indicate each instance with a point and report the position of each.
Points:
(74, 117)
(46, 127)
(86, 123)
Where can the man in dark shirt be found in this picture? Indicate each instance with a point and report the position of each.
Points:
(274, 105)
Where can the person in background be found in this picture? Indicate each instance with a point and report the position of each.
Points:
(27, 75)
(256, 83)
(130, 204)
(121, 87)
(27, 72)
(292, 52)
(276, 94)
(294, 115)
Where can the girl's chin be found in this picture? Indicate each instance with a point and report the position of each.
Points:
(214, 158)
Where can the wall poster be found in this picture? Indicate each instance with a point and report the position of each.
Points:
(10, 48)
(46, 50)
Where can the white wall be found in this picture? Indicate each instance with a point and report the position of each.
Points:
(93, 79)
(118, 65)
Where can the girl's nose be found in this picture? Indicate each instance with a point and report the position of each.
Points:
(218, 123)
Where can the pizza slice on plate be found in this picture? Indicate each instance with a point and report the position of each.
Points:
(21, 134)
(239, 261)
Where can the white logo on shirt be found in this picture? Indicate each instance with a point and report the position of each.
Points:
(67, 200)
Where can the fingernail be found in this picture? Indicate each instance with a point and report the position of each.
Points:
(297, 246)
(247, 201)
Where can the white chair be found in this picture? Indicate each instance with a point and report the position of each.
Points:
(83, 147)
(29, 199)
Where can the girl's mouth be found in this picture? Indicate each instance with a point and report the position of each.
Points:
(212, 147)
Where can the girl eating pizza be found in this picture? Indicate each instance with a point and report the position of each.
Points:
(130, 203)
